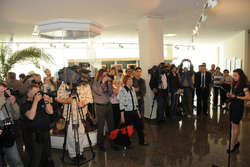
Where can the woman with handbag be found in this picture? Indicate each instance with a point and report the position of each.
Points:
(130, 114)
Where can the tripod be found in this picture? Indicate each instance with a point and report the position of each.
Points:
(153, 106)
(75, 127)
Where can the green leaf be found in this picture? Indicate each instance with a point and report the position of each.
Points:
(31, 54)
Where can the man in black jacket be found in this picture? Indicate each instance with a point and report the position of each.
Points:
(202, 83)
(35, 112)
(159, 85)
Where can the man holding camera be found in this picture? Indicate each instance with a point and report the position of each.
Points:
(9, 109)
(102, 90)
(186, 80)
(35, 112)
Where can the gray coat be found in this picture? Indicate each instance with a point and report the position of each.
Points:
(188, 75)
(13, 109)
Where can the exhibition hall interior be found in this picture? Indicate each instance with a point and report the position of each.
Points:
(112, 83)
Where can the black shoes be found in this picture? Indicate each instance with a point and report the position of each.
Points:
(236, 147)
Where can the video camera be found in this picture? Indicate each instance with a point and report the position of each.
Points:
(156, 72)
(75, 75)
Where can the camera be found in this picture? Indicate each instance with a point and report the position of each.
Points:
(36, 83)
(5, 124)
(52, 94)
(12, 92)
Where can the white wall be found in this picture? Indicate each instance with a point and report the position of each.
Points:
(237, 47)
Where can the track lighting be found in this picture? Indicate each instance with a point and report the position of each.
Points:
(203, 17)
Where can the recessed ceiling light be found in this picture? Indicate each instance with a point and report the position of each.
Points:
(170, 35)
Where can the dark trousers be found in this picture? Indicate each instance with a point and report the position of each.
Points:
(162, 104)
(141, 106)
(217, 92)
(202, 100)
(117, 115)
(132, 118)
(188, 101)
(103, 113)
(37, 147)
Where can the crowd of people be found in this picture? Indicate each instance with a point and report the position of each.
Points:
(118, 98)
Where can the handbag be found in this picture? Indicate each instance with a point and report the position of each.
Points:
(122, 136)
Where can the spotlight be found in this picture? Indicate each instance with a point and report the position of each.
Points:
(196, 28)
(65, 45)
(52, 45)
(195, 32)
(203, 17)
(121, 46)
(212, 3)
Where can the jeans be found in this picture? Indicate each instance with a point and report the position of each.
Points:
(12, 156)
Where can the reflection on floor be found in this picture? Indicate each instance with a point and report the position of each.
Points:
(196, 142)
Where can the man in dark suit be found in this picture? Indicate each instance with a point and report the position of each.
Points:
(202, 83)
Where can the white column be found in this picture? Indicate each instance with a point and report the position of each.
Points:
(151, 31)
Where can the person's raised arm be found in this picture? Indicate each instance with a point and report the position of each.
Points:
(32, 112)
(49, 108)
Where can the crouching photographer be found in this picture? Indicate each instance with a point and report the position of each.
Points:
(9, 111)
(35, 111)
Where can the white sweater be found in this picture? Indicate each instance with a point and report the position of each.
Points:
(128, 100)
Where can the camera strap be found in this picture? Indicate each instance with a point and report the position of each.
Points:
(7, 111)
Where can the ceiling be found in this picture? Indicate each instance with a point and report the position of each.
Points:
(120, 17)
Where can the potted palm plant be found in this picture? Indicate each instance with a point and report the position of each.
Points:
(32, 55)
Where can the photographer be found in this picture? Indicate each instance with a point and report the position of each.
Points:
(186, 80)
(66, 97)
(9, 109)
(35, 112)
(102, 91)
(159, 84)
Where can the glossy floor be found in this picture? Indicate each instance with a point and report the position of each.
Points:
(197, 142)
